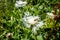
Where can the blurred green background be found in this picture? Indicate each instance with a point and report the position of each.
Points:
(11, 20)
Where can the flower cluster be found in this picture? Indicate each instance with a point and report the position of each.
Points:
(20, 3)
(39, 25)
(29, 20)
(53, 15)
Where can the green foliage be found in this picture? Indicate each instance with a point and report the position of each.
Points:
(11, 20)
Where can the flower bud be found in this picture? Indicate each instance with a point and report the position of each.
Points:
(9, 35)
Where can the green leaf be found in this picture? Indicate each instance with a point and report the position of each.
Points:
(39, 37)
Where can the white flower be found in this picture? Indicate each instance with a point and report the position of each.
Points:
(27, 14)
(40, 24)
(29, 20)
(9, 35)
(27, 25)
(35, 28)
(20, 3)
(51, 15)
(33, 20)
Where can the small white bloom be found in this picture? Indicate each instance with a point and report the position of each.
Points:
(33, 20)
(26, 23)
(29, 20)
(9, 35)
(51, 15)
(40, 24)
(35, 28)
(20, 3)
